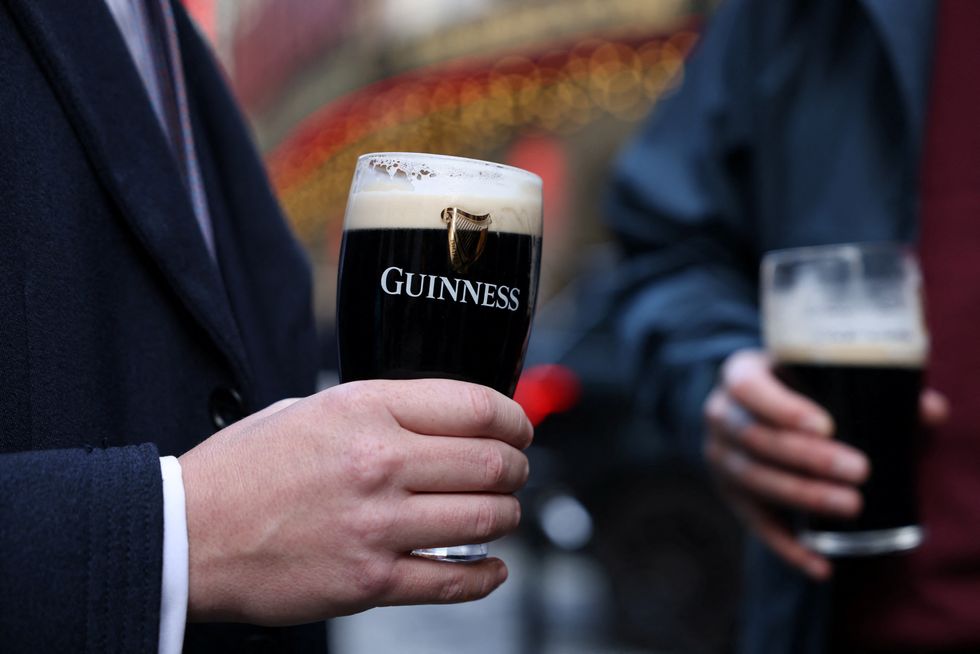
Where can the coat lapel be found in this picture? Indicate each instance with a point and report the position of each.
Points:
(907, 30)
(82, 51)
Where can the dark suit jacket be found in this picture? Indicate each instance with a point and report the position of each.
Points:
(797, 123)
(120, 339)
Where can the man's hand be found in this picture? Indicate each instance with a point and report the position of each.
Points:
(770, 448)
(309, 508)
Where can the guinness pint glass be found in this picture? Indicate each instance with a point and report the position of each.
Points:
(844, 326)
(438, 275)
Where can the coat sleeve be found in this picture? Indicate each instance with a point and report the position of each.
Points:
(680, 205)
(81, 535)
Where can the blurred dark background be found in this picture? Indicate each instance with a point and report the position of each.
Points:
(625, 547)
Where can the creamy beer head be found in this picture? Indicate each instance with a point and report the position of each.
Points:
(439, 269)
(849, 305)
(411, 191)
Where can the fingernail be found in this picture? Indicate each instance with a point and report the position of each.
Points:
(850, 466)
(840, 501)
(817, 423)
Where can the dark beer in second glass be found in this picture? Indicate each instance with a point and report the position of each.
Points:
(875, 406)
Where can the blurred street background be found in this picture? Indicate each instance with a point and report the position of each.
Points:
(625, 547)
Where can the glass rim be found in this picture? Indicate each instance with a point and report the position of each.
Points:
(464, 161)
(809, 252)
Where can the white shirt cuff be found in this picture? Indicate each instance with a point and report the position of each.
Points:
(173, 594)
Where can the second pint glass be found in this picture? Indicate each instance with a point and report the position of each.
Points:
(844, 325)
(438, 275)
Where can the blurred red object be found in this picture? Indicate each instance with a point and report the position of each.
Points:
(547, 156)
(547, 389)
(205, 14)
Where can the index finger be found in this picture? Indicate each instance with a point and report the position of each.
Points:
(443, 407)
(748, 378)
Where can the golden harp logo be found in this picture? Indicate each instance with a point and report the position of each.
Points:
(467, 236)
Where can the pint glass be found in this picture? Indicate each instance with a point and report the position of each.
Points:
(438, 275)
(844, 326)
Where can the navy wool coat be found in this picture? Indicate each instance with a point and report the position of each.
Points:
(797, 123)
(121, 340)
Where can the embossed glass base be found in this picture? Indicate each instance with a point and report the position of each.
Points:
(457, 554)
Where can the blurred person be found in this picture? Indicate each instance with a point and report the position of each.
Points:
(806, 123)
(150, 295)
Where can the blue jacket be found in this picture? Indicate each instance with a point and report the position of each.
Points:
(120, 340)
(797, 123)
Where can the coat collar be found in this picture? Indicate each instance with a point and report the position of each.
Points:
(81, 51)
(907, 31)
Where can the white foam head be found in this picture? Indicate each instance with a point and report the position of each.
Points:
(406, 190)
(838, 314)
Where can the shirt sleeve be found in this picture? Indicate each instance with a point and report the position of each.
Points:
(174, 586)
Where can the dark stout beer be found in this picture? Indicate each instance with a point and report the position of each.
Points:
(875, 407)
(404, 312)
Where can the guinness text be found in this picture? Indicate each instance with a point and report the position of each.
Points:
(395, 281)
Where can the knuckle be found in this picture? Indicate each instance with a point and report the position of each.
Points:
(514, 513)
(369, 463)
(494, 467)
(353, 397)
(485, 519)
(528, 430)
(343, 393)
(454, 589)
(486, 586)
(483, 407)
(525, 471)
(522, 435)
(338, 402)
(371, 528)
(375, 577)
